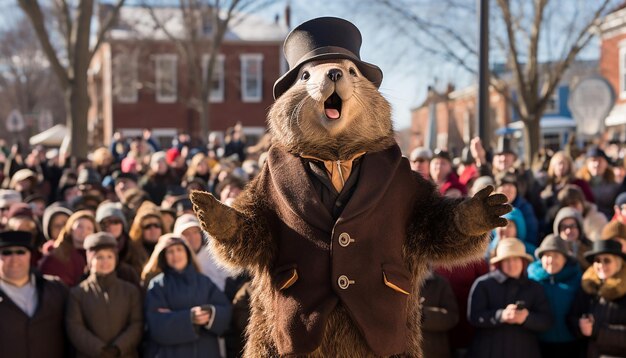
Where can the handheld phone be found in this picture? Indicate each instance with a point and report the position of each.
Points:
(520, 305)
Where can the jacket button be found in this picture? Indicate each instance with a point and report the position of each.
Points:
(344, 282)
(345, 239)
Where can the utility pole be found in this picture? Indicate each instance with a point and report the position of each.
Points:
(483, 111)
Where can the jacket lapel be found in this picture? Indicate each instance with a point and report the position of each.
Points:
(289, 178)
(376, 173)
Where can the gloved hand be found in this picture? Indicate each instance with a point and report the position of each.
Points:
(219, 220)
(482, 213)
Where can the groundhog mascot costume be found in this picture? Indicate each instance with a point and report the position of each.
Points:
(337, 231)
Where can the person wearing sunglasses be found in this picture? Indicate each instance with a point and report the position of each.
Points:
(31, 306)
(599, 311)
(144, 233)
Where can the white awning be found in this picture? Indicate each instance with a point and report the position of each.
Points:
(52, 137)
(617, 116)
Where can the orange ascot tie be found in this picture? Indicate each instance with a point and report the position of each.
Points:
(338, 170)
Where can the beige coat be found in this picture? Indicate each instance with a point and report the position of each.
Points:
(102, 311)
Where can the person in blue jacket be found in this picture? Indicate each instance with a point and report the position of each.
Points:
(185, 311)
(559, 274)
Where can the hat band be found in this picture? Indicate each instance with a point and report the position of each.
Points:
(326, 50)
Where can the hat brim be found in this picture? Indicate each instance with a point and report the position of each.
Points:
(591, 255)
(497, 259)
(372, 72)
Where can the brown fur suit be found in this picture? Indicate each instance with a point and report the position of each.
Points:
(279, 205)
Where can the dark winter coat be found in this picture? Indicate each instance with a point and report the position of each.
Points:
(532, 224)
(172, 333)
(439, 314)
(560, 289)
(461, 279)
(104, 311)
(490, 294)
(606, 302)
(41, 335)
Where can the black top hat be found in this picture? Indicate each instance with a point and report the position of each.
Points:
(16, 238)
(504, 146)
(321, 39)
(605, 247)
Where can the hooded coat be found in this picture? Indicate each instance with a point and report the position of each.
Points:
(560, 289)
(103, 311)
(172, 333)
(490, 294)
(583, 244)
(606, 302)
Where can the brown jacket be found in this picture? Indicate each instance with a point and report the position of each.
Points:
(41, 335)
(369, 262)
(104, 311)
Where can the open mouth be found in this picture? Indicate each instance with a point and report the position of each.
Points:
(332, 106)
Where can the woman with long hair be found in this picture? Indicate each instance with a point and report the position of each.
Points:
(560, 173)
(144, 234)
(67, 259)
(597, 172)
(185, 311)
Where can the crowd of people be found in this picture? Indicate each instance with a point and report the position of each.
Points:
(553, 281)
(104, 257)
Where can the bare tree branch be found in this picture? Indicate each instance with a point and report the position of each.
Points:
(106, 26)
(33, 11)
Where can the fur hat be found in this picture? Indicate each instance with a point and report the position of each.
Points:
(613, 229)
(510, 247)
(323, 38)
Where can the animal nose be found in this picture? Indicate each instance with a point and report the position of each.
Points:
(334, 74)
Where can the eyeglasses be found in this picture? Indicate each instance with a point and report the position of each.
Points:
(151, 226)
(571, 227)
(19, 252)
(604, 261)
(111, 222)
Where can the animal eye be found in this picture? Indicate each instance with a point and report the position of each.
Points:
(305, 75)
(352, 71)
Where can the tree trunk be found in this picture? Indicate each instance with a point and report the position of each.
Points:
(532, 139)
(77, 104)
(204, 116)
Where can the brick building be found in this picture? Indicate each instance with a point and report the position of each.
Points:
(138, 78)
(613, 66)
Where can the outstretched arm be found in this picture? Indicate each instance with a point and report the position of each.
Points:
(454, 231)
(241, 234)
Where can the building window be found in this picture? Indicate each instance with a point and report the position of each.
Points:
(166, 81)
(217, 82)
(552, 105)
(622, 70)
(125, 77)
(251, 77)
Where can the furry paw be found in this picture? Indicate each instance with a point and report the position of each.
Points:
(482, 213)
(219, 220)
